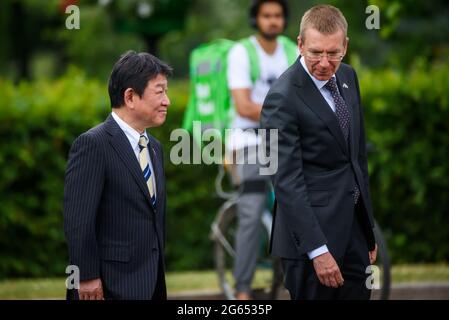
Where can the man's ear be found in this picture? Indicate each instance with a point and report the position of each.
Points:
(128, 98)
(346, 45)
(300, 44)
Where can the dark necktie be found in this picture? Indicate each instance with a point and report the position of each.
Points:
(342, 113)
(341, 110)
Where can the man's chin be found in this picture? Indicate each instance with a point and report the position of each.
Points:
(270, 36)
(161, 120)
(157, 122)
(322, 76)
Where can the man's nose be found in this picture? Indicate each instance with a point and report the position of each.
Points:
(324, 62)
(166, 101)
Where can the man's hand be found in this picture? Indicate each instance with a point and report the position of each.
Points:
(373, 255)
(328, 271)
(91, 290)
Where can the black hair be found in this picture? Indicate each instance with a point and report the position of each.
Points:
(255, 7)
(134, 70)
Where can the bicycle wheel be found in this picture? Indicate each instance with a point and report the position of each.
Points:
(267, 282)
(383, 267)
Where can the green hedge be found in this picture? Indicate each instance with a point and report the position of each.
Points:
(38, 123)
(406, 118)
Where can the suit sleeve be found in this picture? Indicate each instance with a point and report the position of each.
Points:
(84, 180)
(288, 181)
(362, 156)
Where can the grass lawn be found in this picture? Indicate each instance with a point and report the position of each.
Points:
(199, 280)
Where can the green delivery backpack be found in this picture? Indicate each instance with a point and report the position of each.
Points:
(210, 98)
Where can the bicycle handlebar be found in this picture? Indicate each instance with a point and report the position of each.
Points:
(219, 185)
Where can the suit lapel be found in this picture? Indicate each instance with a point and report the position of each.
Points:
(157, 167)
(156, 160)
(120, 144)
(312, 97)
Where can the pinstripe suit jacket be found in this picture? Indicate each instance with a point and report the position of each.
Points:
(113, 231)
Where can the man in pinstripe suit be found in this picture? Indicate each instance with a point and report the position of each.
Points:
(114, 195)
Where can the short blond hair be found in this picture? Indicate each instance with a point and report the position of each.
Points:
(324, 18)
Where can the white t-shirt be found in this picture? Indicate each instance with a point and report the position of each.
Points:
(270, 68)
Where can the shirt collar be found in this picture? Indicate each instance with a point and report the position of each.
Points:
(132, 134)
(319, 83)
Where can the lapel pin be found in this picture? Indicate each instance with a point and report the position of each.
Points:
(345, 86)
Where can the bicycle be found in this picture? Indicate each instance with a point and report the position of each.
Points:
(268, 279)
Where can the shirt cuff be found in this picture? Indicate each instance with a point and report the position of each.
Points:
(317, 252)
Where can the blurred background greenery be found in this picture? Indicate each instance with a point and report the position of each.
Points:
(53, 86)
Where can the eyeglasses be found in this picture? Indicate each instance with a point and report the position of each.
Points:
(317, 56)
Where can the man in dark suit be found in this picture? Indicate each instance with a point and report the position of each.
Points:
(323, 225)
(114, 197)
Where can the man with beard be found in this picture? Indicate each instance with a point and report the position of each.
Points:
(253, 65)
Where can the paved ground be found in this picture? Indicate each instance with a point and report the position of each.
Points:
(421, 291)
(406, 291)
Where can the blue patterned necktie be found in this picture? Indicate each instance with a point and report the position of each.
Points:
(343, 116)
(145, 166)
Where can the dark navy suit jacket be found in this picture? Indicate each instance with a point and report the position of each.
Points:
(317, 168)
